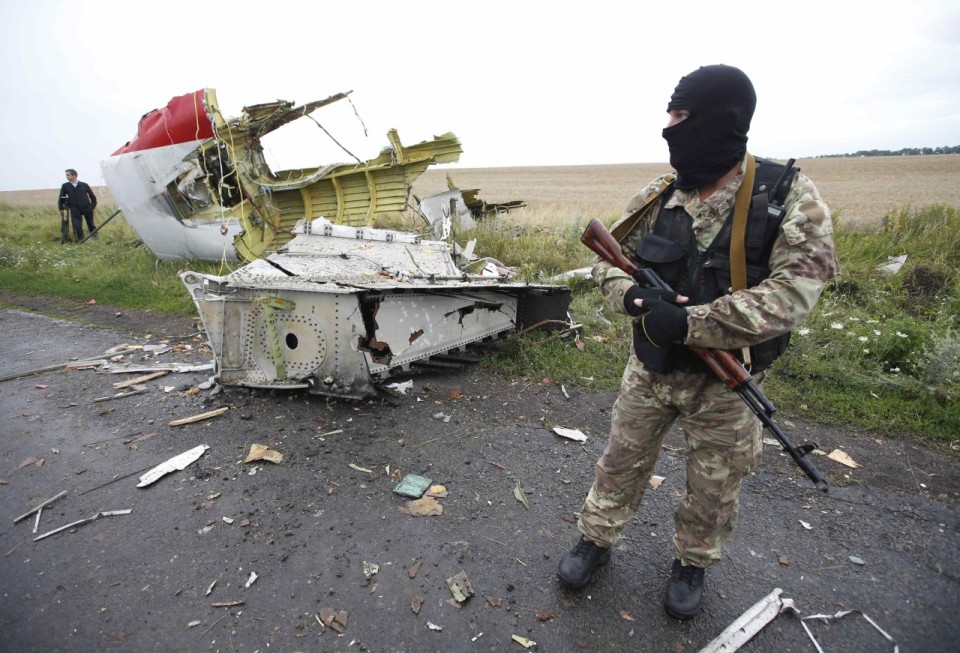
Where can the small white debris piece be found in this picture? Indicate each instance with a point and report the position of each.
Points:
(210, 588)
(657, 481)
(252, 579)
(206, 529)
(176, 463)
(843, 458)
(806, 525)
(401, 387)
(772, 441)
(523, 641)
(857, 561)
(227, 520)
(369, 569)
(39, 507)
(893, 265)
(433, 626)
(570, 434)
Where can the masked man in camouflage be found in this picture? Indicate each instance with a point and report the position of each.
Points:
(681, 227)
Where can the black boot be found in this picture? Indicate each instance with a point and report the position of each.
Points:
(684, 591)
(577, 566)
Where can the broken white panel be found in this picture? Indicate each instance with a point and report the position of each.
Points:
(435, 209)
(570, 434)
(750, 623)
(893, 265)
(176, 463)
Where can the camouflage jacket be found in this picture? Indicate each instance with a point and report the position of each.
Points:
(803, 258)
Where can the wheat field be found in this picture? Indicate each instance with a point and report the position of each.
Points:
(860, 190)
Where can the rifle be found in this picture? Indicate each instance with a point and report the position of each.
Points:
(722, 363)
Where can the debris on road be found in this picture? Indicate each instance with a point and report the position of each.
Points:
(521, 497)
(806, 525)
(210, 588)
(433, 626)
(570, 434)
(750, 623)
(415, 604)
(106, 513)
(841, 615)
(200, 417)
(412, 485)
(227, 604)
(334, 619)
(32, 460)
(39, 507)
(425, 507)
(460, 587)
(401, 387)
(263, 452)
(194, 623)
(140, 379)
(370, 569)
(523, 641)
(251, 580)
(857, 561)
(137, 390)
(176, 463)
(656, 481)
(361, 469)
(843, 458)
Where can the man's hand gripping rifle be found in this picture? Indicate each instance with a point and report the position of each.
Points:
(727, 368)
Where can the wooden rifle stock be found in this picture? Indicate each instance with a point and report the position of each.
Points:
(722, 363)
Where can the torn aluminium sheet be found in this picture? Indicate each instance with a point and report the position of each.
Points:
(766, 610)
(174, 464)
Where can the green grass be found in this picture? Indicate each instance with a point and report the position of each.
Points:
(114, 269)
(879, 352)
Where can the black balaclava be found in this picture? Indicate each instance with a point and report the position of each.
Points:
(705, 146)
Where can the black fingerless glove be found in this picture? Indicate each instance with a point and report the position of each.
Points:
(662, 322)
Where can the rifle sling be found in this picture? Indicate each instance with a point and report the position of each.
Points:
(738, 250)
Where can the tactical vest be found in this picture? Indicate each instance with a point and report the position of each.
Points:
(671, 250)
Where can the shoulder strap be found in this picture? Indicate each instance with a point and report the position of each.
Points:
(626, 226)
(738, 250)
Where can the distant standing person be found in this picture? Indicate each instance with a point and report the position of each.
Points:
(79, 198)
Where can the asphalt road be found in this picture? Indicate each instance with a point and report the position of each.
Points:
(312, 527)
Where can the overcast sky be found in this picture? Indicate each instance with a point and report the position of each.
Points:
(521, 83)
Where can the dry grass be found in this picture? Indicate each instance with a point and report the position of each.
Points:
(858, 189)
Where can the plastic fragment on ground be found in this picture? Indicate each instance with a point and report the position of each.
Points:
(413, 486)
(843, 458)
(523, 641)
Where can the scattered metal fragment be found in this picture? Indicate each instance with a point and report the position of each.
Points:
(460, 586)
(107, 513)
(521, 497)
(210, 588)
(841, 615)
(750, 623)
(263, 452)
(176, 463)
(252, 579)
(200, 417)
(36, 523)
(39, 507)
(401, 387)
(857, 561)
(570, 434)
(412, 485)
(323, 435)
(178, 368)
(656, 481)
(433, 626)
(227, 604)
(361, 469)
(523, 641)
(806, 525)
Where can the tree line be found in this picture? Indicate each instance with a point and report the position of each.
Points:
(906, 151)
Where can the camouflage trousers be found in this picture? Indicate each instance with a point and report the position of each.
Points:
(722, 446)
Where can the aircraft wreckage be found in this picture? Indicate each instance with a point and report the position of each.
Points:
(325, 301)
